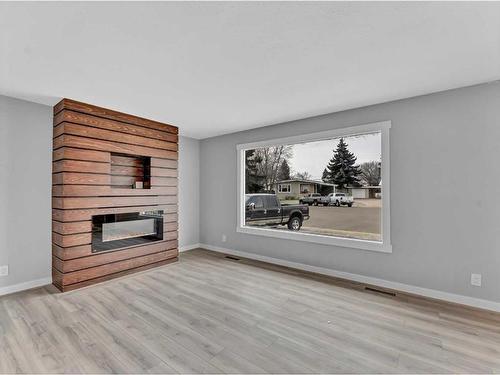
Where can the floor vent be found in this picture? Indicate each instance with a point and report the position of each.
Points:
(231, 257)
(371, 289)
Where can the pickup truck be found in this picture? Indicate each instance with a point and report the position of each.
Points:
(266, 210)
(338, 199)
(311, 199)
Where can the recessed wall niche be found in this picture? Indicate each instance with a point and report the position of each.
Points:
(130, 172)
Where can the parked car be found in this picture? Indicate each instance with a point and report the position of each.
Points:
(311, 199)
(266, 210)
(338, 199)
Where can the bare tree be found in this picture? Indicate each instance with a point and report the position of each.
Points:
(370, 173)
(303, 175)
(271, 159)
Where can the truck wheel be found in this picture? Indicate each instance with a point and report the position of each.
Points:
(315, 203)
(294, 223)
(349, 204)
(337, 203)
(325, 204)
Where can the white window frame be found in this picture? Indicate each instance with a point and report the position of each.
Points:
(280, 188)
(382, 246)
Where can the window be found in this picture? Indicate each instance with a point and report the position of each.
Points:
(330, 168)
(304, 188)
(256, 201)
(284, 188)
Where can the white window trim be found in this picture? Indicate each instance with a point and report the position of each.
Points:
(384, 246)
(280, 188)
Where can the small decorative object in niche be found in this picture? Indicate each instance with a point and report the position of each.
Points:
(130, 171)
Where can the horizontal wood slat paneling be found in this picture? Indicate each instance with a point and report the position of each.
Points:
(57, 276)
(71, 239)
(80, 166)
(98, 156)
(163, 181)
(79, 154)
(72, 228)
(102, 202)
(117, 126)
(75, 178)
(71, 252)
(86, 214)
(164, 163)
(162, 172)
(170, 218)
(109, 257)
(92, 110)
(104, 191)
(67, 140)
(170, 235)
(105, 269)
(96, 133)
(126, 161)
(74, 252)
(169, 227)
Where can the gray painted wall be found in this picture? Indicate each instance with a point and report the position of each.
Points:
(444, 202)
(189, 191)
(25, 190)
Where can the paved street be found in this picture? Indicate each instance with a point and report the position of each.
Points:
(360, 221)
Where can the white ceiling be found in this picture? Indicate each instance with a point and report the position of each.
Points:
(215, 68)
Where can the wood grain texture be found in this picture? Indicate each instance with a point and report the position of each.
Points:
(114, 267)
(104, 202)
(80, 154)
(163, 172)
(117, 126)
(164, 163)
(108, 191)
(80, 251)
(71, 239)
(86, 214)
(68, 140)
(114, 256)
(96, 133)
(209, 314)
(72, 228)
(93, 110)
(68, 178)
(98, 156)
(163, 181)
(80, 166)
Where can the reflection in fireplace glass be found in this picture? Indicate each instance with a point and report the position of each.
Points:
(114, 231)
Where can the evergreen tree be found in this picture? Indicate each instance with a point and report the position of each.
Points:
(324, 177)
(284, 171)
(341, 170)
(254, 182)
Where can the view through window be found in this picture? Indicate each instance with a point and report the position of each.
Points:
(326, 187)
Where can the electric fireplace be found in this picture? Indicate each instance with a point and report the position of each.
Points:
(114, 231)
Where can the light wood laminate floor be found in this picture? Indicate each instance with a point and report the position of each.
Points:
(208, 314)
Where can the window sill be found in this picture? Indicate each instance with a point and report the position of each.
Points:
(316, 238)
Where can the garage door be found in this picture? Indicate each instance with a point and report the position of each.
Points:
(359, 193)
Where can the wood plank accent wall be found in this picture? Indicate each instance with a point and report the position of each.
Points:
(95, 158)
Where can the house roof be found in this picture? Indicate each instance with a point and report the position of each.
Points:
(305, 182)
(364, 187)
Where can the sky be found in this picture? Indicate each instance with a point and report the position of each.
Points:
(314, 156)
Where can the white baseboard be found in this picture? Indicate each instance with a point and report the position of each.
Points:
(24, 286)
(189, 247)
(425, 292)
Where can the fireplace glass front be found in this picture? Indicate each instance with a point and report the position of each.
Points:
(114, 231)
